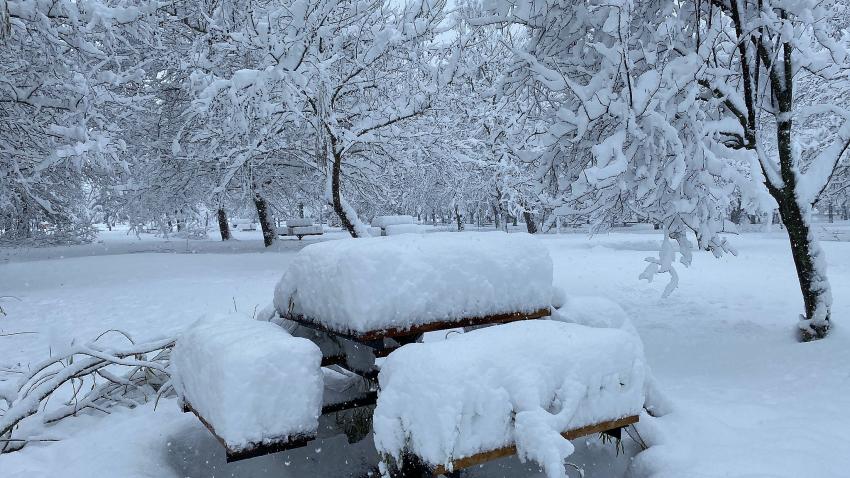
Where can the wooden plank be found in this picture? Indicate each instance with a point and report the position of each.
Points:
(377, 335)
(253, 450)
(479, 458)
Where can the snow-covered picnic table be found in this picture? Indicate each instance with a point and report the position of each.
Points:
(403, 285)
(301, 227)
(520, 385)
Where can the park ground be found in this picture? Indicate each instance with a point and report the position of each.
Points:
(749, 401)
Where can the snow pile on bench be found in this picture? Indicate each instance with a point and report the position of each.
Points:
(397, 282)
(521, 383)
(384, 221)
(306, 230)
(396, 229)
(601, 312)
(299, 222)
(251, 381)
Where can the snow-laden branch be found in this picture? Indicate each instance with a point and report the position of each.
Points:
(143, 375)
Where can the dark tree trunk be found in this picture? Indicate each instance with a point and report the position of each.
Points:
(458, 218)
(813, 284)
(337, 196)
(180, 220)
(737, 212)
(804, 249)
(497, 216)
(265, 219)
(223, 226)
(529, 222)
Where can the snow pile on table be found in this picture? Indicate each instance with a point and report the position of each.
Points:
(397, 282)
(521, 383)
(299, 222)
(251, 381)
(384, 221)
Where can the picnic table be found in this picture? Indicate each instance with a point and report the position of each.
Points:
(302, 227)
(361, 302)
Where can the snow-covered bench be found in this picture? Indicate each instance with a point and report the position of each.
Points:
(524, 387)
(244, 224)
(388, 223)
(301, 227)
(238, 376)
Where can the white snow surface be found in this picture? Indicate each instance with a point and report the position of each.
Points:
(523, 382)
(738, 414)
(411, 279)
(250, 380)
(384, 221)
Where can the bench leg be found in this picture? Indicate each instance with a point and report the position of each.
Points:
(411, 467)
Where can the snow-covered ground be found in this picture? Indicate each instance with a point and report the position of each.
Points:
(749, 400)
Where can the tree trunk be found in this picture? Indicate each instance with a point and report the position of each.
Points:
(459, 219)
(808, 257)
(337, 197)
(265, 219)
(529, 222)
(737, 212)
(223, 226)
(497, 216)
(808, 261)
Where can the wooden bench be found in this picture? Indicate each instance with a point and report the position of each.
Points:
(450, 405)
(612, 428)
(355, 395)
(414, 467)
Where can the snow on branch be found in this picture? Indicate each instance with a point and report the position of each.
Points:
(89, 376)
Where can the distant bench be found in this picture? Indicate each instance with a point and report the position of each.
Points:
(395, 224)
(302, 227)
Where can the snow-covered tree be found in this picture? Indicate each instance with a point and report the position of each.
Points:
(663, 109)
(67, 71)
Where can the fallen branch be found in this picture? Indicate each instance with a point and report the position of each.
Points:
(145, 375)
